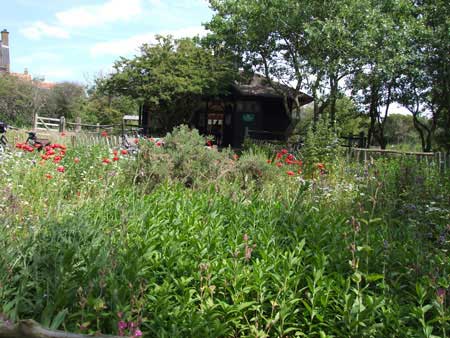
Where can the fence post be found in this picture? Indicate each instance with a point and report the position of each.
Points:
(97, 129)
(77, 124)
(35, 121)
(62, 124)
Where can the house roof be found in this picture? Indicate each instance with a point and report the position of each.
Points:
(258, 86)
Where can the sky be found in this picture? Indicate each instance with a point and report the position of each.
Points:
(77, 40)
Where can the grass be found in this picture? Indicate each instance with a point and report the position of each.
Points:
(350, 251)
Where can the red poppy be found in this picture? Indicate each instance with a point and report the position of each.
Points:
(320, 166)
(76, 160)
(57, 159)
(104, 133)
(300, 163)
(48, 176)
(279, 155)
(299, 171)
(115, 152)
(62, 152)
(209, 143)
(38, 145)
(124, 151)
(235, 157)
(20, 145)
(290, 157)
(50, 152)
(290, 173)
(106, 161)
(269, 161)
(284, 151)
(61, 169)
(63, 134)
(136, 141)
(158, 143)
(115, 158)
(279, 164)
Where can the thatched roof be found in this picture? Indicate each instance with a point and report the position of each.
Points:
(258, 86)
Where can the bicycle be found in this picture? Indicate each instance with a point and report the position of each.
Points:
(36, 142)
(4, 144)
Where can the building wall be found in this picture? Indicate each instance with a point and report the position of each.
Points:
(4, 52)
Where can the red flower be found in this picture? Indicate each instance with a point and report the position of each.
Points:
(45, 157)
(63, 134)
(62, 152)
(50, 152)
(106, 161)
(235, 157)
(61, 169)
(136, 141)
(209, 143)
(290, 157)
(158, 144)
(269, 161)
(115, 158)
(279, 164)
(104, 133)
(38, 145)
(299, 171)
(48, 176)
(20, 145)
(76, 160)
(115, 152)
(124, 151)
(279, 155)
(320, 166)
(300, 163)
(57, 159)
(284, 151)
(290, 173)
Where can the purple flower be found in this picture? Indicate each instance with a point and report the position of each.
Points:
(137, 333)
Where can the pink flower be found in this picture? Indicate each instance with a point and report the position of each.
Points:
(290, 173)
(137, 333)
(61, 169)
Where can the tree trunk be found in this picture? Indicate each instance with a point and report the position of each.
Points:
(31, 329)
(333, 98)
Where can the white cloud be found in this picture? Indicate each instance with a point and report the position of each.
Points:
(54, 74)
(26, 60)
(40, 29)
(127, 46)
(84, 17)
(96, 15)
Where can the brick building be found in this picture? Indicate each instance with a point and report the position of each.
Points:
(4, 52)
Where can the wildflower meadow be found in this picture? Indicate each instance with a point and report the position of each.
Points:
(183, 240)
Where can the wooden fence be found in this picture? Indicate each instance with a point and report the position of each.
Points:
(364, 155)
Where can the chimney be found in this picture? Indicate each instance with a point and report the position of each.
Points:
(5, 37)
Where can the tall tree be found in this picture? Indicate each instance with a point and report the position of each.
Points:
(170, 77)
(382, 59)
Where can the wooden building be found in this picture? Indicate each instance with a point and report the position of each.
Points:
(252, 109)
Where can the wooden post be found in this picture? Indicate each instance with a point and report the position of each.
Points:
(62, 124)
(77, 124)
(35, 121)
(97, 129)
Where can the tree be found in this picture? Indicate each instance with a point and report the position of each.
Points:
(66, 99)
(305, 44)
(382, 59)
(169, 78)
(20, 100)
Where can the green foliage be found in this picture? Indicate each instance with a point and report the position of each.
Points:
(360, 251)
(321, 145)
(171, 77)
